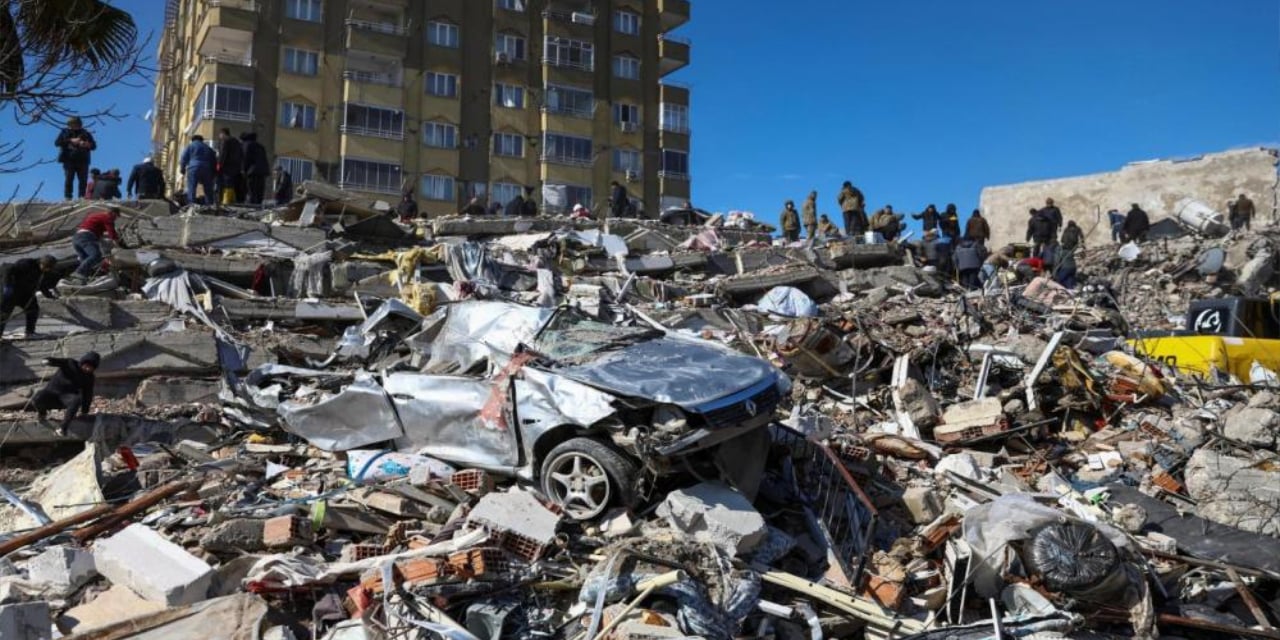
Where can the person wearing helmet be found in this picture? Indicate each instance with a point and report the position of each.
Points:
(70, 388)
(21, 282)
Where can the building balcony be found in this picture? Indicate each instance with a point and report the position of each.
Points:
(224, 69)
(586, 65)
(572, 112)
(373, 77)
(368, 188)
(673, 93)
(585, 18)
(370, 132)
(680, 176)
(230, 14)
(381, 38)
(228, 115)
(673, 13)
(673, 54)
(568, 161)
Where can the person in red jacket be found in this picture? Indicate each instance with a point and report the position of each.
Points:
(88, 236)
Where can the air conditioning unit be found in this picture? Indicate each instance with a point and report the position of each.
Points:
(502, 58)
(629, 127)
(633, 175)
(582, 17)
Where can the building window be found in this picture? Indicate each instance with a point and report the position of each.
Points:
(366, 175)
(444, 85)
(627, 116)
(626, 67)
(504, 192)
(565, 149)
(440, 135)
(572, 54)
(627, 161)
(570, 101)
(675, 164)
(300, 170)
(511, 5)
(573, 195)
(442, 34)
(626, 22)
(309, 10)
(224, 103)
(436, 187)
(675, 118)
(508, 95)
(301, 62)
(376, 122)
(296, 115)
(509, 47)
(510, 145)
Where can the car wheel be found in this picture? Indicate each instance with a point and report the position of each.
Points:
(586, 476)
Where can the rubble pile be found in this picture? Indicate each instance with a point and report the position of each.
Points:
(317, 421)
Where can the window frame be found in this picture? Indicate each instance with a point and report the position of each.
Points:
(206, 106)
(437, 27)
(428, 194)
(620, 19)
(503, 41)
(515, 141)
(621, 167)
(624, 61)
(367, 129)
(675, 173)
(519, 6)
(431, 78)
(562, 91)
(296, 54)
(680, 124)
(448, 131)
(504, 192)
(586, 53)
(293, 162)
(395, 174)
(571, 145)
(315, 10)
(308, 119)
(500, 90)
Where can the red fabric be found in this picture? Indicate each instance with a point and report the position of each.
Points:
(1035, 263)
(98, 224)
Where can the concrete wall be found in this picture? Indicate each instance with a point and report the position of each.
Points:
(1155, 185)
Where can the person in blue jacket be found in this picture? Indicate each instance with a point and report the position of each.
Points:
(197, 164)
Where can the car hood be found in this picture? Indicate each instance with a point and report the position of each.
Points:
(685, 373)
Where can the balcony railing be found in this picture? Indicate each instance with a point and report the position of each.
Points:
(370, 132)
(666, 37)
(224, 114)
(246, 5)
(674, 175)
(575, 17)
(226, 58)
(372, 77)
(676, 127)
(576, 112)
(587, 65)
(566, 160)
(378, 27)
(368, 188)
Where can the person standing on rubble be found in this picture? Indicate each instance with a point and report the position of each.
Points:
(1054, 214)
(1117, 225)
(230, 168)
(977, 229)
(809, 216)
(853, 206)
(885, 223)
(197, 164)
(282, 186)
(1136, 224)
(107, 186)
(522, 205)
(21, 282)
(968, 258)
(826, 229)
(1064, 267)
(88, 238)
(1242, 214)
(928, 218)
(70, 388)
(256, 167)
(790, 222)
(75, 149)
(407, 209)
(619, 200)
(146, 180)
(949, 224)
(474, 208)
(1072, 237)
(1039, 230)
(94, 174)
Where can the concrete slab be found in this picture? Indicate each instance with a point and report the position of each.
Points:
(62, 569)
(517, 511)
(125, 355)
(153, 567)
(111, 606)
(161, 391)
(26, 621)
(716, 514)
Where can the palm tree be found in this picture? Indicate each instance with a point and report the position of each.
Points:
(43, 38)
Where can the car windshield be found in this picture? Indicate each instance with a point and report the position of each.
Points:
(572, 338)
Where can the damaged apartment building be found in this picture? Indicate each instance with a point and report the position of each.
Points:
(447, 99)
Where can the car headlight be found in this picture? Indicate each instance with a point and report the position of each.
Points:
(669, 418)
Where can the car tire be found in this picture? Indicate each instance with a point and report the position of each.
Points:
(585, 477)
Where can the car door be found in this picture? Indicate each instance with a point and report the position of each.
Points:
(458, 419)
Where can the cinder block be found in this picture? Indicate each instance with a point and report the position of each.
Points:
(26, 621)
(153, 567)
(286, 531)
(63, 568)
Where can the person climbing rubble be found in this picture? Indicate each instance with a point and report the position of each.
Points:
(70, 389)
(87, 240)
(21, 282)
(1136, 224)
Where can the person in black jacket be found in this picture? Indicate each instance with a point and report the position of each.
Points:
(21, 282)
(1136, 224)
(619, 200)
(107, 186)
(929, 217)
(71, 388)
(146, 180)
(256, 167)
(230, 168)
(522, 205)
(75, 148)
(949, 223)
(1054, 214)
(1039, 230)
(407, 210)
(282, 186)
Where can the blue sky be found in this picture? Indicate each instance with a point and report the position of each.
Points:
(917, 102)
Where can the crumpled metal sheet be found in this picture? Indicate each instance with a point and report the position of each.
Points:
(360, 415)
(476, 331)
(441, 418)
(686, 373)
(545, 401)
